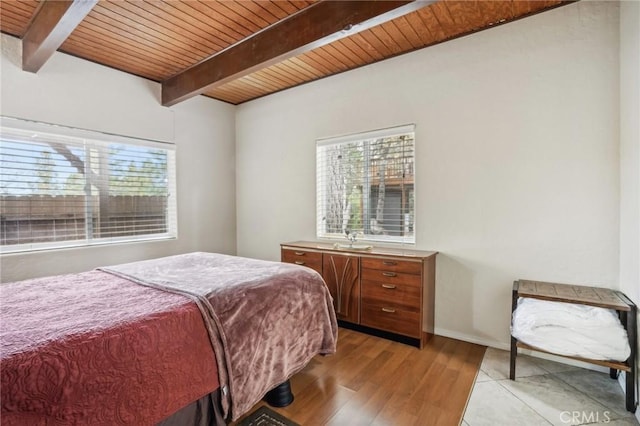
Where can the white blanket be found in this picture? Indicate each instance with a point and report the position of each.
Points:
(570, 329)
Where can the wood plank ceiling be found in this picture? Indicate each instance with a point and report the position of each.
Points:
(159, 39)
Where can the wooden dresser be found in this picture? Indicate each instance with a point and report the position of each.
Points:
(384, 291)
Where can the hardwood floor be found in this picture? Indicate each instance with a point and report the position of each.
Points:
(373, 381)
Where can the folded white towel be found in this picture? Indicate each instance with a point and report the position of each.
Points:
(570, 329)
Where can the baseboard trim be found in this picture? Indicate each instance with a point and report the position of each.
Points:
(507, 347)
(471, 339)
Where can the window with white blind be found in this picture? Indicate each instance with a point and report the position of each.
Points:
(62, 187)
(365, 186)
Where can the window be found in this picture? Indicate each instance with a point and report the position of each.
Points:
(365, 185)
(64, 187)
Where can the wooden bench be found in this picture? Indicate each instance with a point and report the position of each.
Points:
(592, 296)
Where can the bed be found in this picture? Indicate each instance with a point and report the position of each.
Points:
(157, 341)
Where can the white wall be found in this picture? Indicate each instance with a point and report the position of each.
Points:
(517, 158)
(630, 149)
(630, 152)
(78, 93)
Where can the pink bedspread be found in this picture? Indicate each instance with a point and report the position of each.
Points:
(101, 350)
(266, 320)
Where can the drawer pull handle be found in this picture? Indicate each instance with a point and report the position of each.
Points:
(299, 253)
(389, 274)
(389, 310)
(389, 286)
(299, 262)
(389, 263)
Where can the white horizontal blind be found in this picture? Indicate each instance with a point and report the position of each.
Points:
(365, 185)
(64, 187)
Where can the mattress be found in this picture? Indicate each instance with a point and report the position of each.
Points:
(570, 329)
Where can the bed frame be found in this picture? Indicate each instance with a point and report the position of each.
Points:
(592, 296)
(207, 410)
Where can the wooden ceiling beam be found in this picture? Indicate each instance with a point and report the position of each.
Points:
(53, 22)
(317, 25)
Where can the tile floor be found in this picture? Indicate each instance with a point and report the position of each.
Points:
(544, 393)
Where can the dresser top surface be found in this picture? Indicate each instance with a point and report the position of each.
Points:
(373, 251)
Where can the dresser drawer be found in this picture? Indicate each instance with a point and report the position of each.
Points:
(402, 296)
(392, 265)
(310, 259)
(390, 277)
(391, 319)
